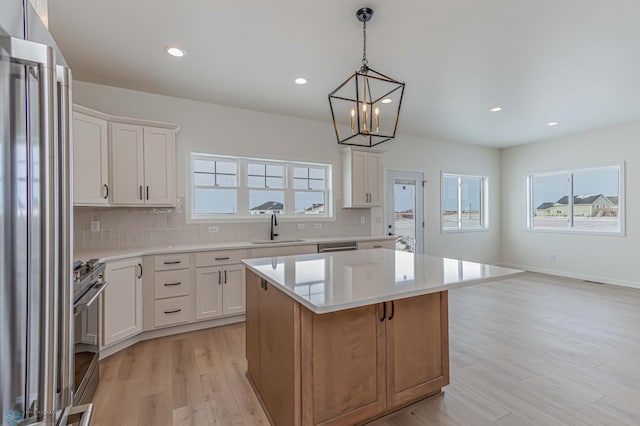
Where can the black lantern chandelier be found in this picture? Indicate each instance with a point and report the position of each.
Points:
(367, 114)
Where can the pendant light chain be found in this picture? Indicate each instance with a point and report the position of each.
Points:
(364, 48)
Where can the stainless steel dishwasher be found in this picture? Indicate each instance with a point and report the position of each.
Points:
(341, 246)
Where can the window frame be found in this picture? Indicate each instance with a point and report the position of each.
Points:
(484, 204)
(621, 232)
(243, 212)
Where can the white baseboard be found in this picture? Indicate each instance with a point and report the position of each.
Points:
(577, 276)
(168, 331)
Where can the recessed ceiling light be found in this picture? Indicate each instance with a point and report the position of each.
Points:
(496, 109)
(174, 51)
(301, 80)
(386, 101)
(552, 123)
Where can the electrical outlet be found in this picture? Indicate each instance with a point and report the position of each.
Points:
(553, 257)
(363, 220)
(317, 225)
(300, 226)
(95, 226)
(213, 229)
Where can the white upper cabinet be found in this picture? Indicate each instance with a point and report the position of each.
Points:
(127, 164)
(90, 161)
(143, 164)
(362, 178)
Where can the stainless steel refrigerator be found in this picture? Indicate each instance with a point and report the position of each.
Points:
(35, 208)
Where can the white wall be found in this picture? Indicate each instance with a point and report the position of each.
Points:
(432, 158)
(233, 131)
(600, 258)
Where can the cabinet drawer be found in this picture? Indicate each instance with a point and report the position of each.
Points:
(388, 244)
(172, 311)
(213, 258)
(171, 261)
(171, 283)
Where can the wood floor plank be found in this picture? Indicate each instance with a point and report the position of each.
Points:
(531, 350)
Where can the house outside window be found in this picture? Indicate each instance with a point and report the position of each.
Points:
(238, 188)
(579, 200)
(463, 203)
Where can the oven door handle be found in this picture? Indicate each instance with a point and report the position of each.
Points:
(89, 298)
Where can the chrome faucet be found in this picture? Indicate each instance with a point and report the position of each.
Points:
(274, 223)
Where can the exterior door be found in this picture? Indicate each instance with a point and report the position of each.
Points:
(405, 209)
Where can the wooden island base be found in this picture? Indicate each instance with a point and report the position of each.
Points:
(346, 367)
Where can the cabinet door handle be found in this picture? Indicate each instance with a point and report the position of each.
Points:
(219, 277)
(175, 311)
(225, 276)
(147, 192)
(222, 258)
(140, 266)
(393, 310)
(172, 284)
(384, 312)
(141, 192)
(173, 262)
(106, 191)
(377, 246)
(263, 284)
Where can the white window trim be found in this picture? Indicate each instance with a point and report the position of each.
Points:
(571, 230)
(243, 215)
(484, 204)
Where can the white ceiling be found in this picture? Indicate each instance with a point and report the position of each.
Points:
(572, 61)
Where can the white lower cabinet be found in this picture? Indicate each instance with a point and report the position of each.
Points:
(219, 291)
(122, 300)
(172, 311)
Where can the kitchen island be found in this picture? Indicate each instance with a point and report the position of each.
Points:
(343, 338)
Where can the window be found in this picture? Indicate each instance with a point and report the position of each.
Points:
(463, 202)
(585, 200)
(243, 188)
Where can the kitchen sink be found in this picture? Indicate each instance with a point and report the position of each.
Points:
(276, 241)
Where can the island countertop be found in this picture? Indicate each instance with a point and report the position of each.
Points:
(331, 282)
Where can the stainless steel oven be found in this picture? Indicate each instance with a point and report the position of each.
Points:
(88, 285)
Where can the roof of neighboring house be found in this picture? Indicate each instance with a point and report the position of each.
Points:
(314, 206)
(544, 206)
(613, 198)
(579, 199)
(269, 205)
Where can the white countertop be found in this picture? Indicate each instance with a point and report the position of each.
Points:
(332, 282)
(119, 254)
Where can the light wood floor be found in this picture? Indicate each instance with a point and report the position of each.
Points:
(533, 350)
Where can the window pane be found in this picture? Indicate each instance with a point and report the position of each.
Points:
(228, 167)
(255, 181)
(309, 203)
(255, 169)
(275, 170)
(449, 202)
(300, 172)
(266, 202)
(595, 199)
(203, 166)
(204, 179)
(316, 184)
(471, 199)
(300, 183)
(275, 182)
(226, 180)
(316, 173)
(215, 201)
(550, 201)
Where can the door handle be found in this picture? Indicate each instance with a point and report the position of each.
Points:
(140, 266)
(384, 312)
(106, 191)
(174, 311)
(141, 192)
(225, 276)
(222, 258)
(219, 277)
(147, 192)
(173, 262)
(172, 284)
(393, 310)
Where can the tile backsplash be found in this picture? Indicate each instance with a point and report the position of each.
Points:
(135, 227)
